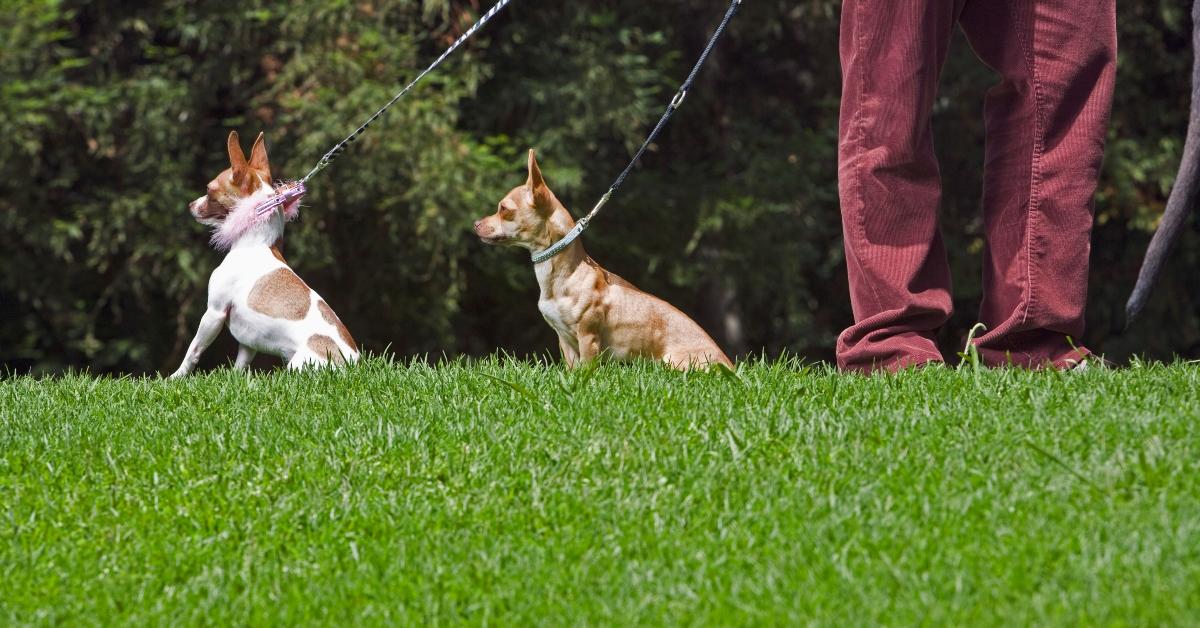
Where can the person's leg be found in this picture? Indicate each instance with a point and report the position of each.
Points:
(888, 180)
(1046, 123)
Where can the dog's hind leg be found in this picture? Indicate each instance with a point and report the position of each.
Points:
(311, 359)
(244, 357)
(304, 359)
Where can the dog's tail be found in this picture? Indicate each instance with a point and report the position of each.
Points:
(1183, 193)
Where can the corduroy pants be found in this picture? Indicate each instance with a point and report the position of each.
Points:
(1045, 123)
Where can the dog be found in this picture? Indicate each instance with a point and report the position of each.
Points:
(267, 307)
(593, 311)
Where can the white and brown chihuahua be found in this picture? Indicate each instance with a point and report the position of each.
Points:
(267, 307)
(593, 311)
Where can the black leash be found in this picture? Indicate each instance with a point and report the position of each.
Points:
(580, 226)
(295, 189)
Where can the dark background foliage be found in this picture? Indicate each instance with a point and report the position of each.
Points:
(113, 116)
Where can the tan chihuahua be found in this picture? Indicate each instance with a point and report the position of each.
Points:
(593, 311)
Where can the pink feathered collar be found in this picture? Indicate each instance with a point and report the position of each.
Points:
(255, 210)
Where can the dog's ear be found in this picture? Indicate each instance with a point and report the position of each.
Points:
(258, 158)
(542, 198)
(237, 159)
(535, 180)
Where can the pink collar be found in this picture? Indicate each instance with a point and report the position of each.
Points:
(286, 196)
(257, 209)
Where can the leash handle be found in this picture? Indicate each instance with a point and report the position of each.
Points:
(676, 102)
(341, 146)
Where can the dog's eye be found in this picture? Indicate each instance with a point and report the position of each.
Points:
(507, 213)
(218, 200)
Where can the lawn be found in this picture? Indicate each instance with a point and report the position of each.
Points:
(506, 492)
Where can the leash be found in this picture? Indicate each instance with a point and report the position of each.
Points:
(289, 192)
(676, 101)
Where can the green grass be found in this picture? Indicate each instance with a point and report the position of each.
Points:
(503, 492)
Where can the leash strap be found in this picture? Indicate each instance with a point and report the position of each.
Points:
(341, 146)
(580, 226)
(289, 191)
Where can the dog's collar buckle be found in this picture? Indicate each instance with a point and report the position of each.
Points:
(284, 195)
(575, 231)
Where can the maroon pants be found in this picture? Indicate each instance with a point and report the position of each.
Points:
(1045, 122)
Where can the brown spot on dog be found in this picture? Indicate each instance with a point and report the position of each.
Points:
(281, 294)
(330, 317)
(277, 250)
(325, 347)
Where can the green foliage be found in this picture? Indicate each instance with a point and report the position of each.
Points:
(114, 115)
(507, 493)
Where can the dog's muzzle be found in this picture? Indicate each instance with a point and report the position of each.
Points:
(490, 237)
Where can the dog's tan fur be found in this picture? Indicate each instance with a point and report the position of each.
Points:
(281, 294)
(325, 347)
(593, 311)
(332, 318)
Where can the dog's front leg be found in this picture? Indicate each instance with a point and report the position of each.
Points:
(589, 347)
(210, 326)
(244, 357)
(570, 356)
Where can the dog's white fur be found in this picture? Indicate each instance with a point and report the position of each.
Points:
(250, 258)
